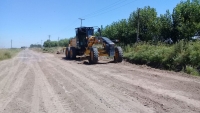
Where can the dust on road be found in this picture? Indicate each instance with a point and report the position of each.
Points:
(46, 83)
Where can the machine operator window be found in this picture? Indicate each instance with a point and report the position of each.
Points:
(90, 32)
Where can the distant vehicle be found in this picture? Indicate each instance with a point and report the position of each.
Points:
(23, 47)
(196, 36)
(168, 41)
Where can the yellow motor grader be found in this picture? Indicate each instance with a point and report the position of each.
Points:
(90, 46)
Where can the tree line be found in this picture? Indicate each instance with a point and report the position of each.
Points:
(34, 45)
(49, 43)
(61, 43)
(182, 23)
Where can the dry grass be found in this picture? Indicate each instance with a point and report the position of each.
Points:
(8, 53)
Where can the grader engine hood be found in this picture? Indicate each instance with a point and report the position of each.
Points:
(110, 46)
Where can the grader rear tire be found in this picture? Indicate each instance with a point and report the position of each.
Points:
(118, 55)
(93, 56)
(72, 53)
(67, 53)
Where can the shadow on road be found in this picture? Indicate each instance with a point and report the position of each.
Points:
(85, 61)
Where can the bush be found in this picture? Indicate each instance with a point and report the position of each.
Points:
(51, 50)
(7, 54)
(191, 70)
(173, 57)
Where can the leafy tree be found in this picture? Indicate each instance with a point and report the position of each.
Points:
(147, 19)
(186, 19)
(62, 43)
(46, 43)
(165, 25)
(126, 29)
(197, 1)
(35, 45)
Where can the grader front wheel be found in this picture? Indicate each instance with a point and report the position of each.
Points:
(118, 55)
(93, 59)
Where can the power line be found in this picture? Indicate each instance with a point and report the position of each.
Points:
(107, 7)
(92, 15)
(111, 10)
(72, 24)
(115, 3)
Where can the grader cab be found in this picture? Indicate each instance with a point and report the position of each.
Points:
(90, 46)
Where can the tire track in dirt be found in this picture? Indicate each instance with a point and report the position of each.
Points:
(159, 93)
(51, 101)
(36, 93)
(149, 82)
(65, 98)
(4, 65)
(96, 78)
(6, 80)
(72, 93)
(17, 74)
(8, 96)
(157, 90)
(153, 90)
(108, 95)
(37, 104)
(118, 86)
(14, 92)
(3, 73)
(38, 99)
(7, 63)
(166, 93)
(160, 81)
(22, 100)
(165, 74)
(77, 98)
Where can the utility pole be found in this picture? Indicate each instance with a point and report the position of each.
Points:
(138, 27)
(11, 43)
(58, 41)
(49, 41)
(81, 21)
(41, 43)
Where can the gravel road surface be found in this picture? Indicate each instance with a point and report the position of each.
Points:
(34, 82)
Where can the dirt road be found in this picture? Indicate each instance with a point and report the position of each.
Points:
(35, 82)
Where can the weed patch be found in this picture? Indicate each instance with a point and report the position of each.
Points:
(8, 53)
(182, 56)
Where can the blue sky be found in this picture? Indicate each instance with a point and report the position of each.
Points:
(30, 21)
